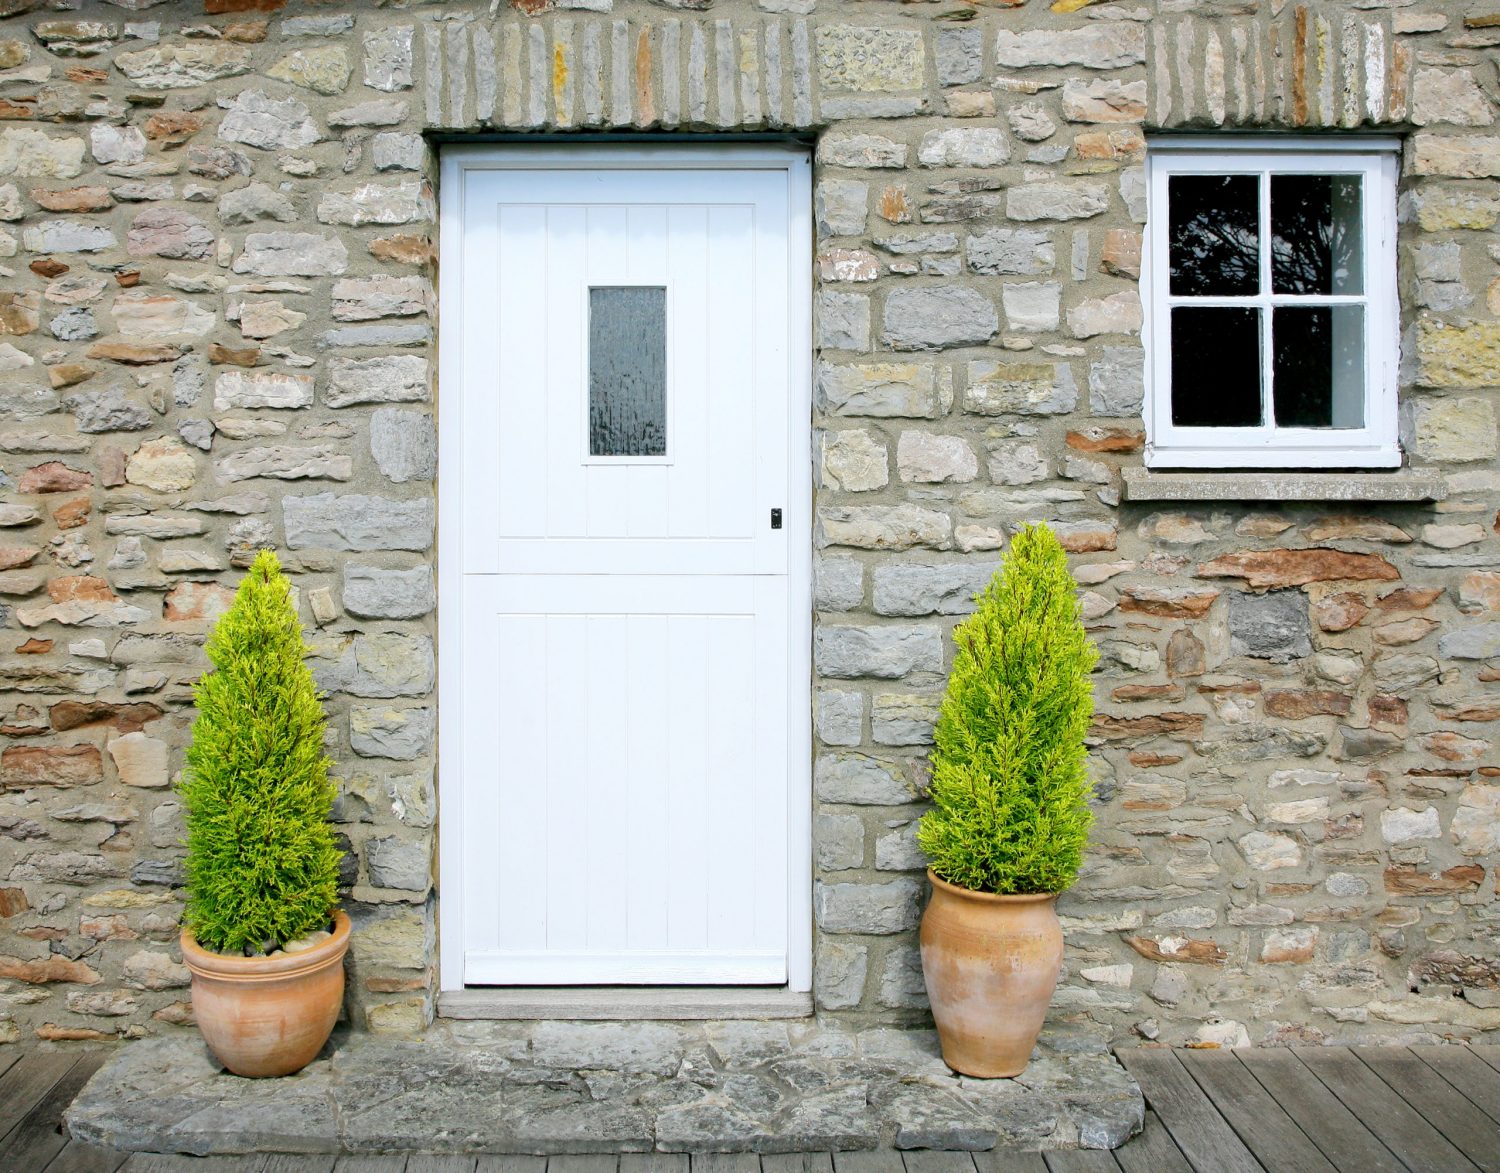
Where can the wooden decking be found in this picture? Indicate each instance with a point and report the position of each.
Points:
(1315, 1109)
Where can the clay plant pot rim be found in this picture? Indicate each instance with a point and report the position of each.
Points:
(991, 897)
(206, 963)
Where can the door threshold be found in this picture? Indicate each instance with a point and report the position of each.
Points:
(632, 1003)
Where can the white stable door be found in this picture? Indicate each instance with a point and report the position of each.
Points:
(631, 441)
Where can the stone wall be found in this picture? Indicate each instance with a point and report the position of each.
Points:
(218, 318)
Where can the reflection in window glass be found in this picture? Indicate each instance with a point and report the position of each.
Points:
(1215, 366)
(1318, 378)
(1315, 223)
(1214, 234)
(627, 370)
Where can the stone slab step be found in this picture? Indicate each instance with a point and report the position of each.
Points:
(581, 1087)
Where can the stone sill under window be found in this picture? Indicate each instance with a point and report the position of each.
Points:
(1406, 484)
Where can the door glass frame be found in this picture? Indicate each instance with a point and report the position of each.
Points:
(795, 160)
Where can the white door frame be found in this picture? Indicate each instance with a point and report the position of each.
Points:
(456, 160)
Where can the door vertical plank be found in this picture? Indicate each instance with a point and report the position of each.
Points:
(687, 897)
(605, 782)
(568, 720)
(1441, 1104)
(1195, 1124)
(649, 731)
(514, 826)
(1399, 1126)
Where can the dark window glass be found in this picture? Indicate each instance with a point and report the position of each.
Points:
(1215, 367)
(1319, 366)
(1315, 224)
(627, 370)
(1215, 239)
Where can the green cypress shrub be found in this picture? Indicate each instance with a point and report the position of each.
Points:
(1010, 784)
(262, 865)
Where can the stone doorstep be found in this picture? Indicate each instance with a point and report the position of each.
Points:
(578, 1087)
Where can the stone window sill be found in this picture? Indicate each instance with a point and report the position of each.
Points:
(1407, 484)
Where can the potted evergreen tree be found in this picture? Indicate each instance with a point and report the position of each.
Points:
(1010, 816)
(262, 936)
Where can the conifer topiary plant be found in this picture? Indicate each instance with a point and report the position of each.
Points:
(1010, 783)
(262, 866)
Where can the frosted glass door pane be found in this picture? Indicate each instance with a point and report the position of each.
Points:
(627, 370)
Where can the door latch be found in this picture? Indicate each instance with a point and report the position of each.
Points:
(775, 519)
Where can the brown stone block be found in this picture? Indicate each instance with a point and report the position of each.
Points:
(74, 199)
(1103, 439)
(404, 248)
(1196, 952)
(20, 313)
(48, 267)
(1168, 602)
(1298, 704)
(20, 109)
(1405, 880)
(48, 969)
(170, 127)
(83, 588)
(893, 206)
(1121, 254)
(85, 76)
(224, 7)
(247, 357)
(13, 902)
(1268, 569)
(196, 600)
(1186, 655)
(68, 374)
(13, 556)
(1389, 712)
(177, 1013)
(1113, 728)
(1147, 759)
(1339, 612)
(1447, 746)
(391, 985)
(35, 647)
(246, 32)
(1355, 529)
(51, 1032)
(128, 278)
(1409, 598)
(22, 766)
(1148, 692)
(54, 477)
(131, 354)
(72, 514)
(127, 718)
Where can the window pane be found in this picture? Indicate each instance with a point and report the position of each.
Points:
(1319, 372)
(1215, 239)
(1315, 230)
(627, 370)
(1215, 367)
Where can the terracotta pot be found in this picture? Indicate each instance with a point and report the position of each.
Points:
(268, 1015)
(991, 964)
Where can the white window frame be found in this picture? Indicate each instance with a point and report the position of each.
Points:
(1376, 444)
